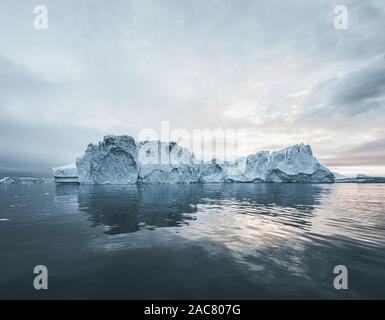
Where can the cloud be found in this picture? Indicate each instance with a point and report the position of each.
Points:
(366, 154)
(278, 69)
(352, 94)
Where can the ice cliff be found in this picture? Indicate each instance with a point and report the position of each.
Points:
(120, 160)
(112, 161)
(67, 174)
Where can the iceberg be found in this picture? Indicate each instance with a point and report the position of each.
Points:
(293, 164)
(166, 162)
(112, 161)
(169, 153)
(66, 174)
(120, 160)
(297, 164)
(359, 178)
(24, 180)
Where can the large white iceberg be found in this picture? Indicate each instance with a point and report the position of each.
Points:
(120, 160)
(112, 161)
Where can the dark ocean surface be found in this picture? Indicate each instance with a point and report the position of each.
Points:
(232, 241)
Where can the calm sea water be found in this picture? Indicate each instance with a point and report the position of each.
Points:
(246, 241)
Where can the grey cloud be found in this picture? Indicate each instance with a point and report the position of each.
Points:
(25, 148)
(352, 94)
(376, 146)
(356, 160)
(362, 90)
(368, 154)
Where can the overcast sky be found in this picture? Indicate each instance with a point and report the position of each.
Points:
(276, 68)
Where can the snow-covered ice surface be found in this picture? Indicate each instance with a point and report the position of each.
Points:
(157, 152)
(66, 174)
(69, 170)
(120, 160)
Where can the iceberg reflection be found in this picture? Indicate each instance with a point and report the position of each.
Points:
(126, 209)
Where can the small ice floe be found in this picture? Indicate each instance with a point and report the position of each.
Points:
(141, 225)
(107, 228)
(4, 219)
(24, 180)
(16, 206)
